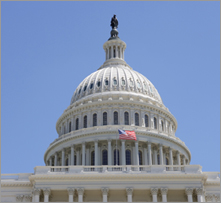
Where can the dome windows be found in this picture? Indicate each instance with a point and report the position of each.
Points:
(136, 119)
(85, 121)
(106, 82)
(105, 118)
(155, 123)
(146, 121)
(145, 85)
(123, 82)
(114, 81)
(151, 89)
(126, 118)
(94, 119)
(85, 87)
(138, 84)
(77, 124)
(131, 82)
(115, 118)
(98, 83)
(79, 91)
(91, 86)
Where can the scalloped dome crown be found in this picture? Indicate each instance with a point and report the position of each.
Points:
(115, 76)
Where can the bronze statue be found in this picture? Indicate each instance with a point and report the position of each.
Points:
(114, 22)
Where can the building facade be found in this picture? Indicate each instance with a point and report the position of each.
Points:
(88, 162)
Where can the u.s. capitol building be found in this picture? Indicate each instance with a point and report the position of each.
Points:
(88, 163)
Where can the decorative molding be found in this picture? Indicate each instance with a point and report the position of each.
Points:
(80, 191)
(199, 191)
(47, 191)
(189, 191)
(19, 198)
(28, 198)
(129, 191)
(164, 191)
(154, 191)
(71, 190)
(105, 190)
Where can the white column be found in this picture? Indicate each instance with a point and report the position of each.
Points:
(83, 154)
(145, 156)
(155, 155)
(96, 152)
(184, 160)
(161, 153)
(112, 51)
(149, 153)
(189, 193)
(78, 157)
(164, 157)
(109, 152)
(105, 193)
(136, 153)
(178, 159)
(87, 155)
(62, 157)
(47, 192)
(107, 53)
(71, 194)
(80, 194)
(72, 155)
(99, 155)
(129, 194)
(50, 161)
(116, 50)
(199, 192)
(154, 192)
(123, 152)
(164, 194)
(171, 158)
(36, 193)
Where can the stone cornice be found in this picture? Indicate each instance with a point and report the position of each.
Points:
(117, 177)
(109, 130)
(15, 184)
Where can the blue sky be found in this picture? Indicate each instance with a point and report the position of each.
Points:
(48, 48)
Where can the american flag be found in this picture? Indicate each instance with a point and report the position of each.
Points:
(127, 135)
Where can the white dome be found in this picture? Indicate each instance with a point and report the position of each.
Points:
(118, 78)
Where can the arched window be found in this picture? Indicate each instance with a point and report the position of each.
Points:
(91, 86)
(106, 82)
(104, 157)
(66, 162)
(92, 158)
(69, 126)
(137, 119)
(109, 52)
(115, 118)
(123, 82)
(85, 87)
(118, 158)
(155, 123)
(98, 83)
(85, 121)
(128, 157)
(105, 118)
(146, 121)
(94, 119)
(77, 124)
(126, 118)
(140, 158)
(114, 53)
(162, 125)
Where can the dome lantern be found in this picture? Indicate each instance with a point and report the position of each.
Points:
(114, 47)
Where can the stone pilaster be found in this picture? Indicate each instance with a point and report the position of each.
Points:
(36, 192)
(199, 192)
(80, 194)
(105, 191)
(154, 192)
(189, 193)
(47, 192)
(164, 194)
(70, 194)
(129, 194)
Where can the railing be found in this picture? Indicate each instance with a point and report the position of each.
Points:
(119, 169)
